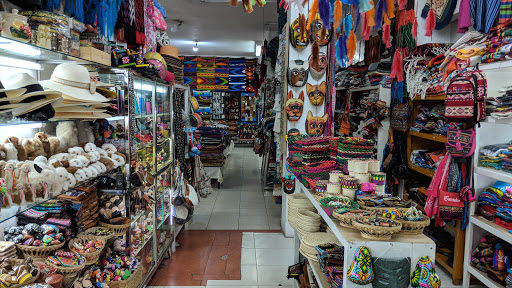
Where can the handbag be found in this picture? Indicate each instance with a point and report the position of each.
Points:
(345, 125)
(460, 143)
(399, 119)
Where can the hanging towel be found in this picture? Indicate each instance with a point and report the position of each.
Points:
(464, 17)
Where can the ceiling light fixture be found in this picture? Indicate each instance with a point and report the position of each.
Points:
(195, 48)
(176, 26)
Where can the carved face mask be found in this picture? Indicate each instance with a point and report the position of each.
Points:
(317, 69)
(289, 184)
(294, 106)
(316, 93)
(391, 272)
(297, 73)
(298, 35)
(318, 32)
(315, 125)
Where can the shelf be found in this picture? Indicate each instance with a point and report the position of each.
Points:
(482, 277)
(492, 228)
(424, 171)
(493, 173)
(442, 262)
(163, 221)
(432, 137)
(319, 275)
(492, 120)
(365, 88)
(340, 88)
(431, 98)
(136, 252)
(115, 118)
(162, 167)
(495, 65)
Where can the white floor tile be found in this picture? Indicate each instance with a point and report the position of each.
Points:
(275, 257)
(199, 219)
(249, 275)
(253, 227)
(254, 220)
(272, 240)
(273, 275)
(248, 256)
(248, 240)
(253, 212)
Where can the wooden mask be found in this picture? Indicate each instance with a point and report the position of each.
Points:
(294, 106)
(316, 125)
(316, 93)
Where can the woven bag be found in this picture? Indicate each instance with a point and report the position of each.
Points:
(400, 116)
(345, 123)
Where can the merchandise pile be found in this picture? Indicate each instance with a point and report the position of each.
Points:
(495, 204)
(376, 76)
(84, 205)
(430, 120)
(501, 106)
(490, 257)
(497, 156)
(353, 148)
(330, 257)
(212, 146)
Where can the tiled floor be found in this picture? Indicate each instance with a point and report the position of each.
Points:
(240, 203)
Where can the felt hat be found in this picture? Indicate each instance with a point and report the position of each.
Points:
(74, 82)
(33, 103)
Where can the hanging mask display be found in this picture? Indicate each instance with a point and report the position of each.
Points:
(297, 73)
(317, 66)
(288, 184)
(294, 106)
(298, 35)
(316, 125)
(319, 33)
(316, 93)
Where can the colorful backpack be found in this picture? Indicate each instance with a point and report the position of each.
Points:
(465, 97)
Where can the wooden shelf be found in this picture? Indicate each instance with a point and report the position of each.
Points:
(482, 277)
(319, 275)
(442, 260)
(492, 228)
(432, 137)
(424, 171)
(431, 98)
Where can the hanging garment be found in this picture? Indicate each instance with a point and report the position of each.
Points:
(505, 11)
(484, 13)
(464, 16)
(443, 9)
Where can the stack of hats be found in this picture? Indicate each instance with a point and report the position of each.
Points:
(321, 186)
(333, 141)
(310, 158)
(80, 99)
(307, 222)
(353, 148)
(309, 242)
(298, 203)
(334, 185)
(174, 64)
(7, 249)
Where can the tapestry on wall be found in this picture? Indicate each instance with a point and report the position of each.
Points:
(206, 73)
(250, 69)
(237, 74)
(221, 74)
(190, 71)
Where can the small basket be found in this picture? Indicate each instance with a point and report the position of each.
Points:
(67, 271)
(90, 231)
(376, 232)
(133, 281)
(346, 219)
(414, 227)
(363, 206)
(329, 209)
(92, 257)
(34, 277)
(37, 252)
(118, 229)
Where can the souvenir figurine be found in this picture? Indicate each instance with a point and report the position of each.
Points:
(317, 65)
(319, 33)
(294, 106)
(289, 184)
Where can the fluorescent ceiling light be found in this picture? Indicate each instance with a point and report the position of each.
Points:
(19, 48)
(258, 50)
(17, 63)
(195, 48)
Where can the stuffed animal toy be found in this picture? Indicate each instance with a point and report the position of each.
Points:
(85, 133)
(109, 148)
(55, 145)
(90, 147)
(22, 155)
(80, 176)
(12, 153)
(2, 167)
(94, 156)
(50, 178)
(61, 175)
(68, 132)
(38, 148)
(109, 164)
(94, 171)
(71, 181)
(88, 172)
(97, 167)
(24, 183)
(37, 184)
(124, 156)
(3, 153)
(41, 163)
(75, 151)
(118, 160)
(102, 166)
(74, 165)
(41, 136)
(85, 160)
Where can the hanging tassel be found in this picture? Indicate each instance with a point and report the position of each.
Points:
(312, 13)
(366, 29)
(397, 67)
(415, 29)
(315, 55)
(391, 8)
(370, 17)
(401, 4)
(348, 25)
(358, 20)
(379, 13)
(324, 9)
(337, 13)
(351, 46)
(247, 6)
(341, 51)
(233, 3)
(430, 23)
(386, 35)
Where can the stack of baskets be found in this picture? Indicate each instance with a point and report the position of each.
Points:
(353, 148)
(298, 203)
(307, 222)
(311, 240)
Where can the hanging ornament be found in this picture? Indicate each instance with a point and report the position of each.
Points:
(365, 6)
(397, 67)
(337, 14)
(380, 11)
(430, 22)
(341, 50)
(386, 35)
(415, 29)
(351, 46)
(370, 17)
(366, 28)
(324, 9)
(390, 8)
(348, 24)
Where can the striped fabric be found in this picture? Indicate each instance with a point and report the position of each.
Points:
(505, 11)
(484, 13)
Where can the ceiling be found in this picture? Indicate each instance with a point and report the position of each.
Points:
(221, 30)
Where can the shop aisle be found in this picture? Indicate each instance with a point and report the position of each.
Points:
(240, 203)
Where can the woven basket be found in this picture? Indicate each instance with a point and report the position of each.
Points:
(34, 277)
(346, 219)
(134, 281)
(91, 230)
(37, 252)
(376, 232)
(118, 229)
(364, 207)
(92, 257)
(414, 227)
(67, 271)
(329, 209)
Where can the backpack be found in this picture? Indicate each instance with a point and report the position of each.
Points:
(465, 97)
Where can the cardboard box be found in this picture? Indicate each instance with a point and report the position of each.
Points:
(93, 54)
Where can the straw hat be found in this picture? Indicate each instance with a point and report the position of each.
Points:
(74, 82)
(33, 103)
(169, 50)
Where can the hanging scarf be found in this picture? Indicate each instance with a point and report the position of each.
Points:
(75, 8)
(438, 182)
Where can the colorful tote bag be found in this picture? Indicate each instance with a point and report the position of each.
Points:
(460, 143)
(424, 275)
(361, 270)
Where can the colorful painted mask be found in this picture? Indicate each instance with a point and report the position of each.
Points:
(294, 106)
(297, 73)
(315, 125)
(361, 270)
(391, 272)
(288, 184)
(319, 33)
(317, 70)
(424, 275)
(316, 93)
(298, 35)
